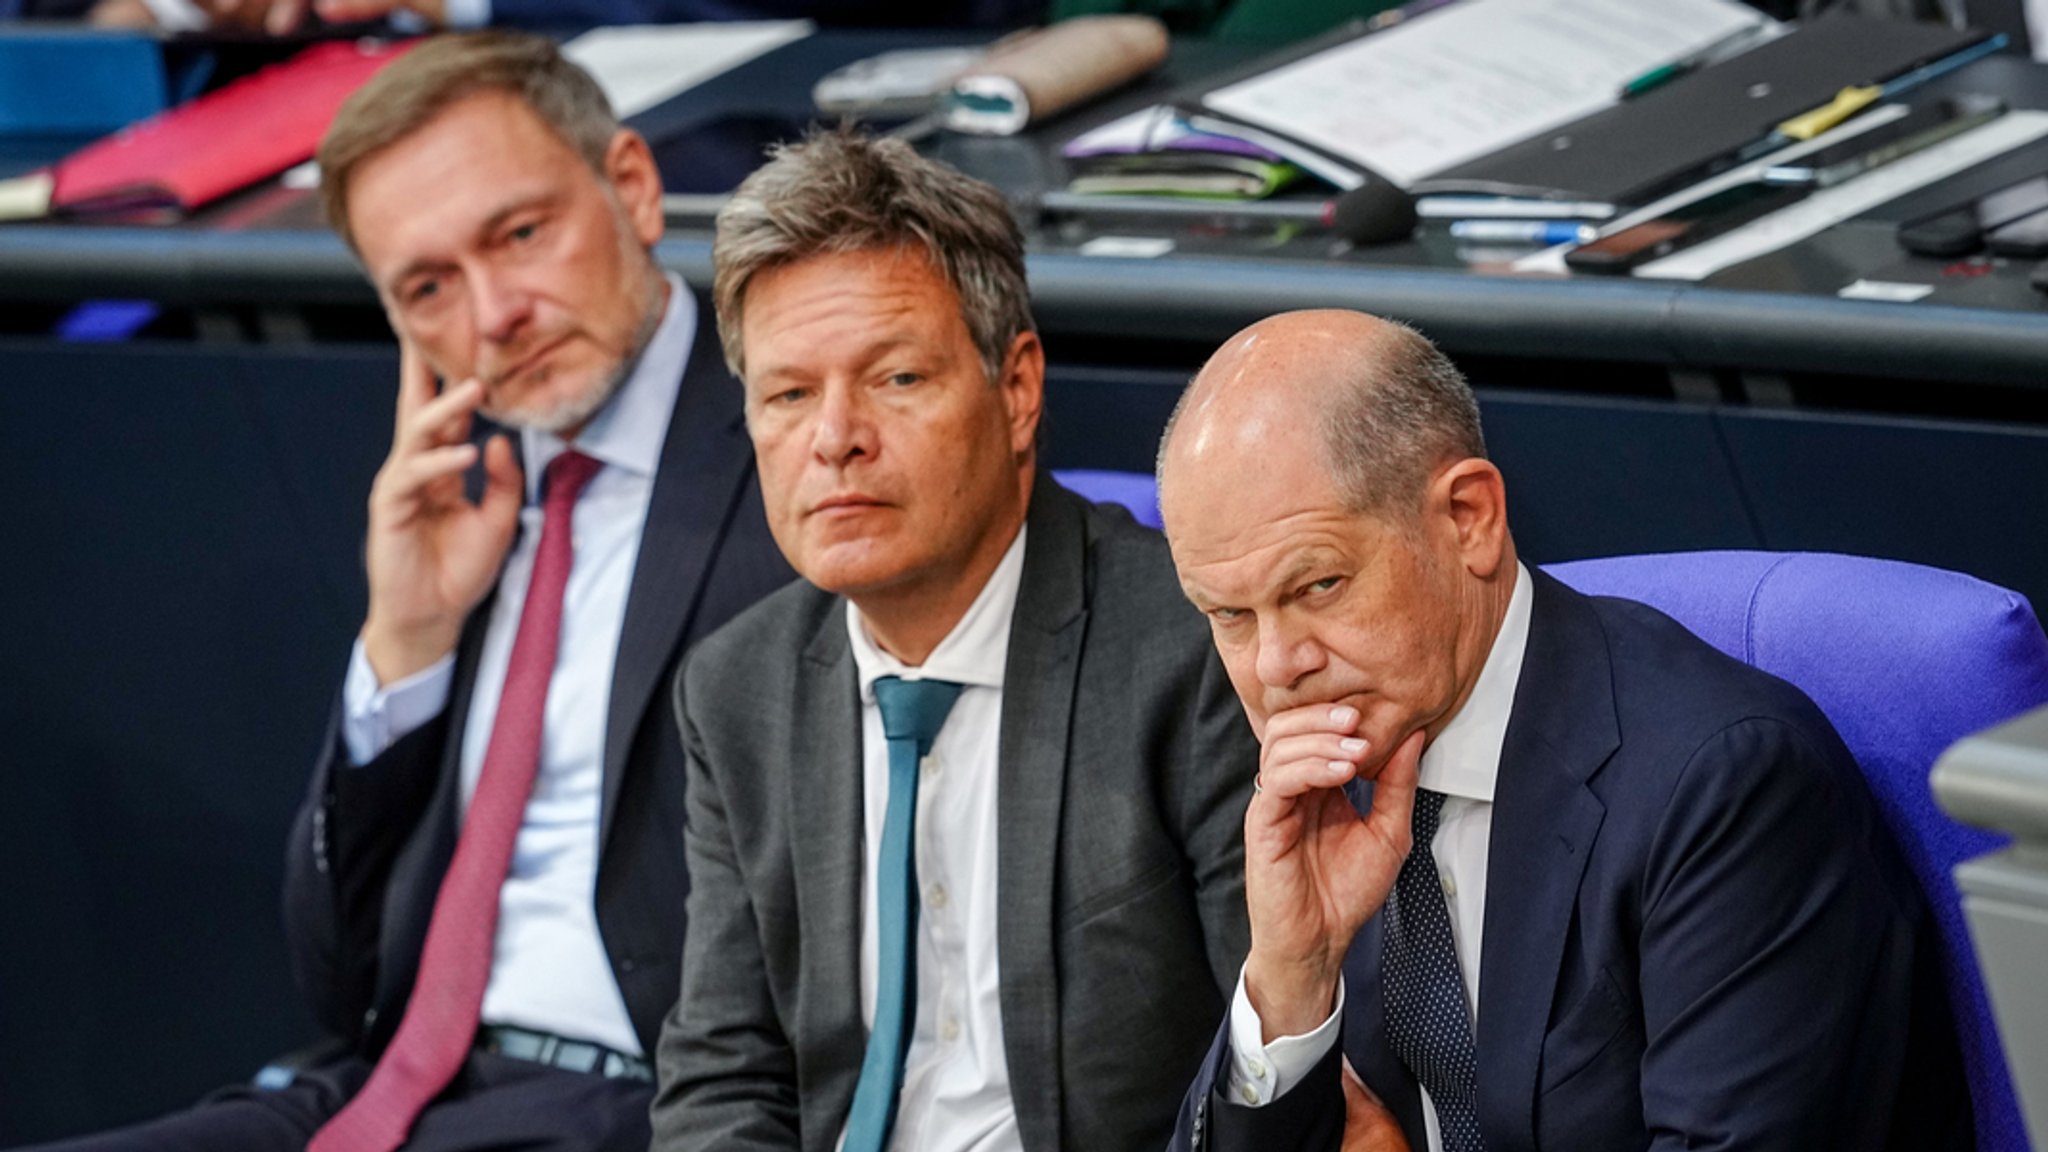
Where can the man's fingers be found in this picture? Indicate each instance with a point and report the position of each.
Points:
(415, 383)
(403, 479)
(443, 421)
(504, 485)
(1316, 746)
(1338, 718)
(1291, 779)
(1393, 790)
(285, 16)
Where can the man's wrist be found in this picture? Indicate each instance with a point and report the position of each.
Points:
(1290, 999)
(395, 654)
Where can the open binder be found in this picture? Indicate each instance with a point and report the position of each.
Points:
(1632, 149)
(1633, 152)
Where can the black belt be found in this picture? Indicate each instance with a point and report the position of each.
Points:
(560, 1052)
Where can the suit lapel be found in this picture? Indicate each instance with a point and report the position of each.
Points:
(1038, 703)
(706, 461)
(825, 802)
(1561, 731)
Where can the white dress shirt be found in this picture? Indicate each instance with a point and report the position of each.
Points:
(549, 971)
(956, 1082)
(1462, 763)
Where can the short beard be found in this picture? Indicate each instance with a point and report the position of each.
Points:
(573, 412)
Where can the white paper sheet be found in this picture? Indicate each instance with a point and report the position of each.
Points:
(1831, 206)
(639, 67)
(1472, 78)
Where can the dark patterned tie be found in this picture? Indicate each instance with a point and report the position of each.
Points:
(1429, 1025)
(455, 964)
(913, 711)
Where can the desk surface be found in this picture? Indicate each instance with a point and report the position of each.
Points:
(1778, 313)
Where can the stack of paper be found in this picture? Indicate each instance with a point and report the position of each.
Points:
(1158, 152)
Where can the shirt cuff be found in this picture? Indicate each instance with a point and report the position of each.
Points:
(1261, 1073)
(374, 717)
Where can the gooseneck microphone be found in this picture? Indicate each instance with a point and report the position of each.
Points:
(1375, 212)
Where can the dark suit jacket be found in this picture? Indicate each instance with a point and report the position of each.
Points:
(1698, 932)
(1125, 767)
(370, 844)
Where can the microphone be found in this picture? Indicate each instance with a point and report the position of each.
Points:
(1375, 212)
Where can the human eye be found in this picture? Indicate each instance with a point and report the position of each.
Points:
(904, 379)
(421, 290)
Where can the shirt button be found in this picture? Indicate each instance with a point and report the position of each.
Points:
(950, 1030)
(935, 896)
(1249, 1094)
(1450, 885)
(1257, 1068)
(929, 765)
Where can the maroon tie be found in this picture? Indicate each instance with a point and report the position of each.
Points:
(440, 1020)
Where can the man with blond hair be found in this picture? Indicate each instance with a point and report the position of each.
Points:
(485, 887)
(964, 803)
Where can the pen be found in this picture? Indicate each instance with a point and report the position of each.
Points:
(1545, 232)
(1662, 73)
(1852, 100)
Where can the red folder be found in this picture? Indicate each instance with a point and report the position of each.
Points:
(228, 139)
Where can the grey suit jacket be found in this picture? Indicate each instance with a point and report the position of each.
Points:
(1125, 768)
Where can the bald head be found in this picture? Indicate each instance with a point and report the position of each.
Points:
(1374, 401)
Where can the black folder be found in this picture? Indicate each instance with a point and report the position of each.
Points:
(1634, 150)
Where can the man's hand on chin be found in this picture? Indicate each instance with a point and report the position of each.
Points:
(1315, 868)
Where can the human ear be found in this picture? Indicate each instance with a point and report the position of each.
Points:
(1475, 500)
(636, 181)
(1023, 386)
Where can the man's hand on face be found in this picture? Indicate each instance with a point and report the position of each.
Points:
(431, 553)
(1316, 870)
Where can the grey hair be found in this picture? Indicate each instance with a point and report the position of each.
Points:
(411, 91)
(838, 191)
(1389, 424)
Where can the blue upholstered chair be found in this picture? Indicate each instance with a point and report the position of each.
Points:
(1904, 659)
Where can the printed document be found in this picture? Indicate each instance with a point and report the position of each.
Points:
(639, 67)
(1475, 76)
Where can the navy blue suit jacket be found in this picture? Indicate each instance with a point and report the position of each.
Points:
(1698, 931)
(371, 843)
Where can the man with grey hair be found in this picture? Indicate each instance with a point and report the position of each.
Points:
(484, 887)
(964, 804)
(1610, 889)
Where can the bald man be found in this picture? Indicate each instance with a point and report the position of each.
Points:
(1650, 903)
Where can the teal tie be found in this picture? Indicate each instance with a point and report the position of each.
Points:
(912, 713)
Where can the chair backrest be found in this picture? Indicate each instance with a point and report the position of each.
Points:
(1133, 490)
(1904, 660)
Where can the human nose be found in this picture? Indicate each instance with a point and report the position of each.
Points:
(502, 307)
(843, 431)
(1288, 653)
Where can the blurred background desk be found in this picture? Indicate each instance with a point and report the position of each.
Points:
(187, 509)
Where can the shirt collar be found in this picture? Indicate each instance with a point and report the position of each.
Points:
(972, 653)
(628, 431)
(1464, 759)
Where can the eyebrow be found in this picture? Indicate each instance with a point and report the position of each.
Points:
(871, 351)
(491, 224)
